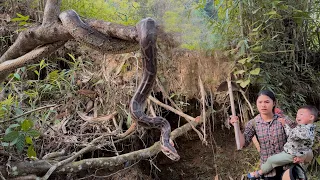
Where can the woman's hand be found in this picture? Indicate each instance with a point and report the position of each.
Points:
(283, 121)
(233, 119)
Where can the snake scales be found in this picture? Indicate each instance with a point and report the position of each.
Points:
(147, 34)
(92, 38)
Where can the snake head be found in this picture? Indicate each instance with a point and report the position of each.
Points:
(170, 152)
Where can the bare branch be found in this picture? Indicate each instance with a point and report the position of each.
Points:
(42, 166)
(51, 12)
(10, 65)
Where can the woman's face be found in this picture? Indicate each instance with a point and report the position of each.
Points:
(265, 104)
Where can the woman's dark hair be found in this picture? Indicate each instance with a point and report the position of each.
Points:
(270, 94)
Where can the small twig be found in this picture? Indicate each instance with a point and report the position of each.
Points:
(166, 95)
(31, 111)
(90, 147)
(54, 154)
(212, 110)
(4, 153)
(115, 123)
(129, 131)
(29, 177)
(114, 147)
(180, 113)
(245, 98)
(187, 117)
(2, 177)
(153, 113)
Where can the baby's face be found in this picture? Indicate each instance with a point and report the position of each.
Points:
(304, 116)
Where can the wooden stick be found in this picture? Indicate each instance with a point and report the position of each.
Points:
(187, 117)
(236, 125)
(31, 111)
(204, 117)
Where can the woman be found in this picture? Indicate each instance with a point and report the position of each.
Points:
(268, 130)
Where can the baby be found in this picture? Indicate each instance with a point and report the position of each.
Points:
(300, 141)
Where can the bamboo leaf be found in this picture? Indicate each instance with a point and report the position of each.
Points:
(129, 120)
(37, 72)
(243, 61)
(245, 83)
(318, 160)
(271, 13)
(257, 28)
(255, 11)
(256, 49)
(239, 72)
(255, 71)
(16, 76)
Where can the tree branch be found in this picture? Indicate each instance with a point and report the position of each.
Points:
(10, 65)
(42, 166)
(51, 12)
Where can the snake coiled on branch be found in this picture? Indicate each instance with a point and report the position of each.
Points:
(92, 38)
(147, 33)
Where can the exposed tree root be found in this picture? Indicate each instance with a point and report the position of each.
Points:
(40, 167)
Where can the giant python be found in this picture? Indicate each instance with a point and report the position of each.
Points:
(147, 33)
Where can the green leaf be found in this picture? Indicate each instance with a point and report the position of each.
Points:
(13, 142)
(255, 11)
(16, 76)
(271, 13)
(26, 125)
(318, 160)
(255, 71)
(53, 76)
(245, 83)
(257, 28)
(256, 49)
(29, 140)
(11, 136)
(239, 81)
(239, 72)
(128, 120)
(37, 72)
(14, 125)
(72, 57)
(31, 152)
(33, 133)
(42, 64)
(5, 144)
(243, 61)
(20, 142)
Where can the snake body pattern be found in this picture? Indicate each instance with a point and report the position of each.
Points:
(92, 38)
(147, 33)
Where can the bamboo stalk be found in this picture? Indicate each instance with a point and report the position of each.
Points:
(236, 125)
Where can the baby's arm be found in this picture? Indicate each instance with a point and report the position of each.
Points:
(300, 132)
(288, 129)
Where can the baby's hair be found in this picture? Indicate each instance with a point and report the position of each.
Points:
(314, 111)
